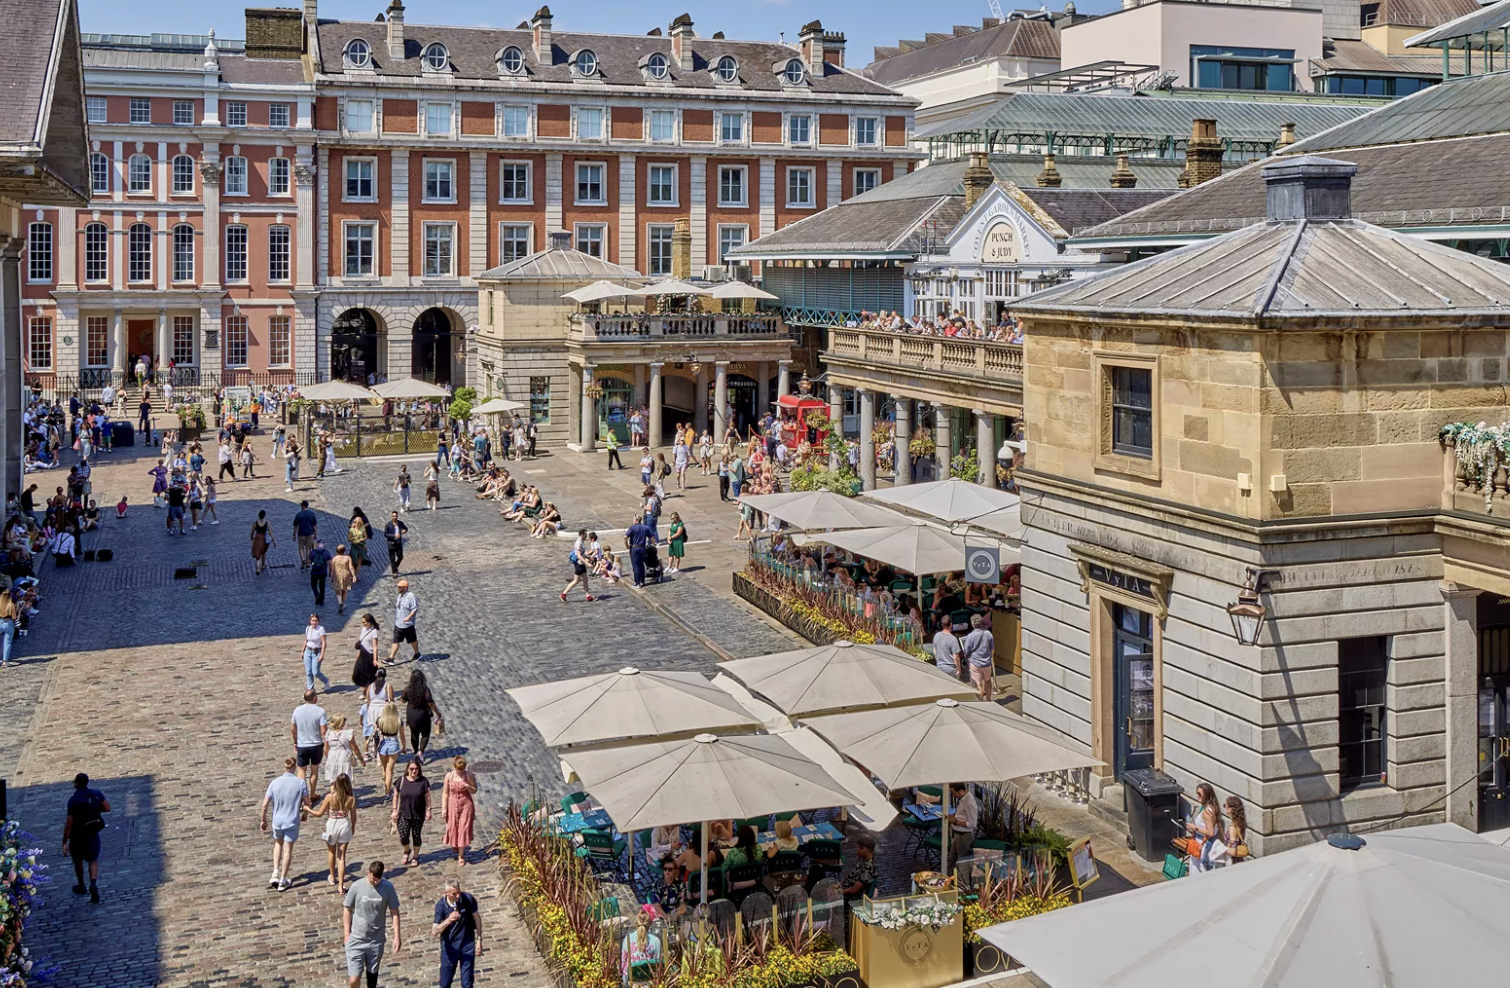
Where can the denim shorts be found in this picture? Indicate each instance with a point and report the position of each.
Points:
(388, 744)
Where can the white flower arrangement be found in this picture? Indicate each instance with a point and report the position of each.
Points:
(1480, 450)
(935, 915)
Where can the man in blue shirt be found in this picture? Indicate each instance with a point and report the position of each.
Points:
(81, 833)
(306, 522)
(319, 570)
(288, 800)
(458, 926)
(637, 539)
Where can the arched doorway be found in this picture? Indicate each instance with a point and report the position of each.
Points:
(742, 402)
(354, 346)
(435, 347)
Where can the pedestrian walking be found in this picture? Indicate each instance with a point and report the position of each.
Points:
(314, 653)
(387, 726)
(211, 495)
(224, 455)
(343, 575)
(411, 809)
(723, 478)
(306, 526)
(612, 441)
(365, 669)
(394, 532)
(637, 539)
(339, 808)
(458, 808)
(405, 611)
(286, 798)
(9, 615)
(290, 464)
(432, 493)
(248, 461)
(979, 649)
(532, 433)
(307, 729)
(340, 749)
(358, 532)
(262, 539)
(420, 712)
(319, 570)
(401, 486)
(176, 500)
(579, 563)
(144, 414)
(458, 927)
(81, 833)
(681, 455)
(676, 543)
(368, 904)
(946, 650)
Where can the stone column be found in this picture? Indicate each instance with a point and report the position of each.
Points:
(720, 399)
(398, 240)
(942, 438)
(700, 401)
(10, 363)
(304, 197)
(867, 442)
(118, 342)
(164, 341)
(209, 181)
(985, 447)
(783, 378)
(654, 423)
(836, 415)
(589, 412)
(902, 456)
(1462, 667)
(762, 388)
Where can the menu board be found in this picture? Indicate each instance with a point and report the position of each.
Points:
(1083, 870)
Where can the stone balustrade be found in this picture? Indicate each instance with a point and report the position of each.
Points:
(984, 359)
(590, 327)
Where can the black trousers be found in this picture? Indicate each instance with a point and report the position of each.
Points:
(614, 463)
(317, 584)
(723, 487)
(637, 563)
(395, 553)
(228, 467)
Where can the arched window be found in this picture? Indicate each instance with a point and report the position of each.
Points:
(512, 60)
(358, 54)
(727, 69)
(795, 72)
(139, 174)
(587, 62)
(139, 252)
(183, 175)
(658, 66)
(437, 58)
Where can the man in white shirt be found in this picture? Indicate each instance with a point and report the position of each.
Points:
(946, 649)
(963, 817)
(307, 729)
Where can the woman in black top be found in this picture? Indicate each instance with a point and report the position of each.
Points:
(411, 808)
(420, 712)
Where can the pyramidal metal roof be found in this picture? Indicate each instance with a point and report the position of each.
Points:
(1292, 270)
(560, 264)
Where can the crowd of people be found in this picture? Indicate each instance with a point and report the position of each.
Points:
(1005, 330)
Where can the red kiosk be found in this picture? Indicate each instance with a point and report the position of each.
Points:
(793, 410)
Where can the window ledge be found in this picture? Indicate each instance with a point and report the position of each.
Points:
(1133, 466)
(663, 205)
(516, 202)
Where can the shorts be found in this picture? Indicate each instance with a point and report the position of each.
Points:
(175, 514)
(309, 754)
(980, 675)
(579, 568)
(85, 848)
(405, 635)
(363, 958)
(388, 744)
(286, 834)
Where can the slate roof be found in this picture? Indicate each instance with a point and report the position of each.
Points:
(234, 67)
(1019, 39)
(1456, 108)
(474, 55)
(1305, 270)
(1148, 116)
(1359, 56)
(26, 50)
(1423, 13)
(559, 264)
(42, 127)
(894, 218)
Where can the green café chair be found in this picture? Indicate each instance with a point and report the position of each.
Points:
(603, 909)
(826, 854)
(600, 847)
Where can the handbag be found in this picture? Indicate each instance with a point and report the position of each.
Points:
(1238, 851)
(1187, 846)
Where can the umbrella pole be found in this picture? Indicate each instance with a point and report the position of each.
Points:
(631, 859)
(944, 836)
(703, 890)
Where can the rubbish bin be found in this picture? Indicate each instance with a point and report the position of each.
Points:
(1153, 805)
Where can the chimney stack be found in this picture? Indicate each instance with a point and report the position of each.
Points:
(1049, 178)
(311, 13)
(810, 40)
(396, 30)
(1122, 176)
(681, 249)
(833, 48)
(681, 41)
(978, 178)
(1286, 136)
(1203, 154)
(1309, 188)
(540, 27)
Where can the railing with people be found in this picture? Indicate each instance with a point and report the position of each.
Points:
(188, 382)
(992, 359)
(609, 327)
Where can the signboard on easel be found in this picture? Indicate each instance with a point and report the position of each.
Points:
(1083, 868)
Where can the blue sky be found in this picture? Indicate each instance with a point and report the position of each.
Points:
(865, 23)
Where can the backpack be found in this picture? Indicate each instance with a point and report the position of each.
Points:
(665, 469)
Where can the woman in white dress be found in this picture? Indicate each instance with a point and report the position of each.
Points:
(330, 458)
(340, 748)
(339, 807)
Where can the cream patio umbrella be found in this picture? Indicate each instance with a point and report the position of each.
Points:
(738, 289)
(630, 704)
(920, 549)
(673, 286)
(498, 406)
(600, 290)
(951, 500)
(823, 510)
(328, 391)
(409, 387)
(843, 676)
(708, 777)
(1422, 907)
(934, 743)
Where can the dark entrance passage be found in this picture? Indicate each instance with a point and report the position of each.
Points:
(434, 348)
(1494, 712)
(1132, 663)
(742, 394)
(354, 346)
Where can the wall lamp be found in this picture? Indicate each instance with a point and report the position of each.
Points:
(1248, 612)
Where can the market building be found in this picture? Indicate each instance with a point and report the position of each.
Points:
(1257, 416)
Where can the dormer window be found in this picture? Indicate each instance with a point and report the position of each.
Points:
(794, 72)
(437, 59)
(727, 69)
(511, 61)
(657, 66)
(586, 63)
(358, 54)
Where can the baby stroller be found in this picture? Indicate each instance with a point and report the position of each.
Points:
(654, 570)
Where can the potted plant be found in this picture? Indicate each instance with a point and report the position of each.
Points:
(922, 445)
(191, 421)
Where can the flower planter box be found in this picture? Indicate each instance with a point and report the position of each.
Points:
(778, 609)
(984, 958)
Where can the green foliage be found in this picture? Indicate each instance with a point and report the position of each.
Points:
(466, 393)
(965, 466)
(461, 408)
(811, 477)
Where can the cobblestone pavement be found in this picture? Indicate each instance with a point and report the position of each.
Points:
(173, 690)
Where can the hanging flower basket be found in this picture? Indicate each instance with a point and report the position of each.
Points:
(922, 446)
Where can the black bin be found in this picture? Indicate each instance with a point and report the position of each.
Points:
(1153, 805)
(122, 434)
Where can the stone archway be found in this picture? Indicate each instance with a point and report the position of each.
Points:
(356, 346)
(437, 348)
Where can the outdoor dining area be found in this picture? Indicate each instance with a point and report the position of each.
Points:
(708, 816)
(890, 565)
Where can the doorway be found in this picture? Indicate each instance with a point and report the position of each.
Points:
(141, 340)
(433, 347)
(1132, 672)
(354, 347)
(1494, 722)
(742, 410)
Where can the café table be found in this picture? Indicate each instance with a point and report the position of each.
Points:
(575, 823)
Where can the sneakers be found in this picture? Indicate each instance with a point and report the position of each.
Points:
(94, 893)
(563, 596)
(272, 882)
(284, 885)
(591, 598)
(79, 889)
(215, 522)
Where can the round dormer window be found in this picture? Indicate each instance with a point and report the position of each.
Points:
(794, 72)
(436, 58)
(358, 54)
(727, 69)
(658, 66)
(512, 60)
(587, 63)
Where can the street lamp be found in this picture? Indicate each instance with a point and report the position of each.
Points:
(1247, 612)
(595, 390)
(805, 386)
